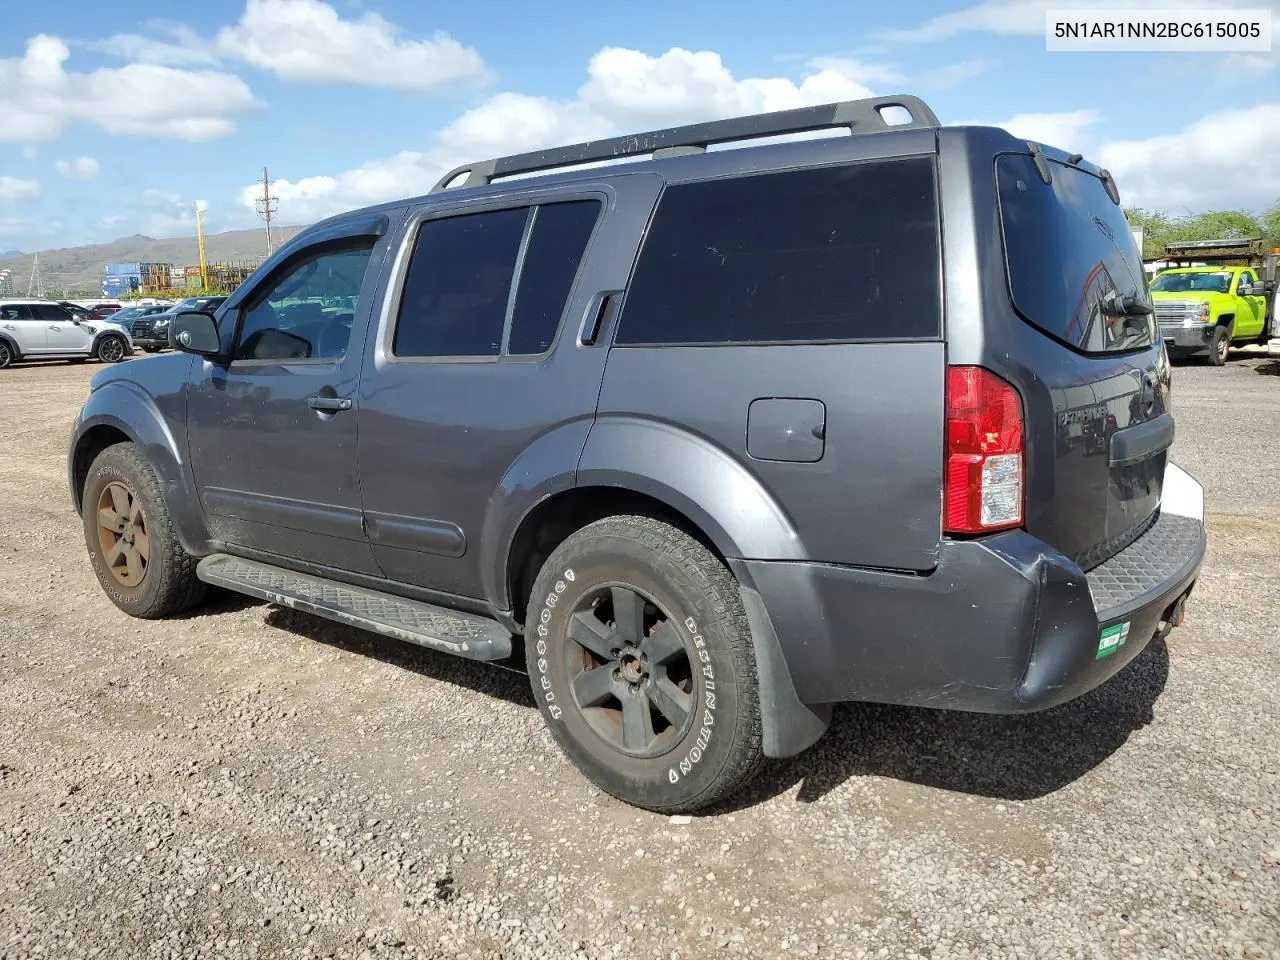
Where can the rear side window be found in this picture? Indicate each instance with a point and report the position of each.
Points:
(457, 299)
(832, 254)
(1069, 251)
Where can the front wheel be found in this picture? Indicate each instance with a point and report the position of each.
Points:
(641, 661)
(1219, 346)
(110, 349)
(133, 547)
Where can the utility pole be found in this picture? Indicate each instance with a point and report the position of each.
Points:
(36, 283)
(266, 205)
(204, 264)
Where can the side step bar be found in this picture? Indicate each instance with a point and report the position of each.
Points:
(450, 631)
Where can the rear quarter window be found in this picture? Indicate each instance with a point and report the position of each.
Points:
(1068, 248)
(819, 255)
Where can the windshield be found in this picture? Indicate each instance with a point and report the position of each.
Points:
(1071, 257)
(1168, 282)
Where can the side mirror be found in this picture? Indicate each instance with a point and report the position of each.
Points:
(194, 332)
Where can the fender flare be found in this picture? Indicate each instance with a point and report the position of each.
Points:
(700, 479)
(123, 406)
(97, 338)
(544, 468)
(13, 345)
(717, 492)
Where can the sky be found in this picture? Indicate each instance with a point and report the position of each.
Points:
(119, 118)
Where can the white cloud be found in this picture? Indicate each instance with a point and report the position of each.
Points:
(1026, 17)
(13, 190)
(625, 90)
(307, 40)
(81, 168)
(1068, 131)
(39, 99)
(185, 48)
(1224, 160)
(29, 152)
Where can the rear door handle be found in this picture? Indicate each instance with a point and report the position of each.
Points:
(329, 403)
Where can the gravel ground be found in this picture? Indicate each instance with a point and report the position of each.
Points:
(252, 782)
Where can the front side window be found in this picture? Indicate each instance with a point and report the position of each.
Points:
(51, 313)
(295, 318)
(820, 255)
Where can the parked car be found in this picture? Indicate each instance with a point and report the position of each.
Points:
(152, 334)
(102, 311)
(77, 311)
(43, 330)
(129, 315)
(708, 441)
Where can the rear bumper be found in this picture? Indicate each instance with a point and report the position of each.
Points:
(1004, 624)
(1273, 347)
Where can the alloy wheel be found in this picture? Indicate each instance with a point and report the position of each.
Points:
(122, 535)
(630, 672)
(111, 350)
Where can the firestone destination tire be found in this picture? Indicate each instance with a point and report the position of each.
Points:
(641, 661)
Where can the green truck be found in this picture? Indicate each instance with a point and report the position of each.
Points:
(1211, 294)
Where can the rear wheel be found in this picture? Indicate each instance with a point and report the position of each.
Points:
(7, 355)
(133, 547)
(1219, 346)
(110, 349)
(642, 664)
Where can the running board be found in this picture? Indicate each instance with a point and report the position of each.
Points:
(450, 631)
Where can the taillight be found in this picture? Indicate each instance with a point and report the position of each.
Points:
(983, 486)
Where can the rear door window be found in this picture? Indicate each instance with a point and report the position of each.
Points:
(1069, 251)
(804, 256)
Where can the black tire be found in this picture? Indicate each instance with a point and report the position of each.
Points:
(702, 673)
(168, 583)
(1219, 346)
(8, 354)
(110, 349)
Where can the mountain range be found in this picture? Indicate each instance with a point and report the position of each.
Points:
(78, 270)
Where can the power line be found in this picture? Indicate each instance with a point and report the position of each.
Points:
(266, 206)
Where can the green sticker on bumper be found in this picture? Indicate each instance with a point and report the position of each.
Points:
(1112, 639)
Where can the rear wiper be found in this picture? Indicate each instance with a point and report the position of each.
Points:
(1126, 305)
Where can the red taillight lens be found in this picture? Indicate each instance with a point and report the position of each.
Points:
(983, 486)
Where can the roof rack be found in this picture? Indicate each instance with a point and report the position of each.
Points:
(859, 116)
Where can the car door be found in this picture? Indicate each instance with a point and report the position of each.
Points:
(272, 431)
(63, 334)
(478, 360)
(1250, 325)
(20, 324)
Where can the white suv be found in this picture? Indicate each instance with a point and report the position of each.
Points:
(43, 330)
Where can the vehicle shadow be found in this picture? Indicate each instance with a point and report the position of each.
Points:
(1269, 369)
(486, 678)
(1003, 757)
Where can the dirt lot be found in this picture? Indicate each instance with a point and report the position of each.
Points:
(251, 782)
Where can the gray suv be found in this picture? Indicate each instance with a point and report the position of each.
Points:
(706, 440)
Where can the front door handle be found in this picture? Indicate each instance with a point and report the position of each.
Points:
(58, 329)
(329, 403)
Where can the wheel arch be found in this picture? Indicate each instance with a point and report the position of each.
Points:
(117, 413)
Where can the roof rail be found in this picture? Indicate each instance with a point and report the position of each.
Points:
(859, 116)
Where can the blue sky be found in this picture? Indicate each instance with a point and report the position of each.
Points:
(118, 118)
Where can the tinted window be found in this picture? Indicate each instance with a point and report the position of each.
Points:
(556, 245)
(1069, 251)
(307, 313)
(459, 281)
(51, 312)
(842, 253)
(15, 311)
